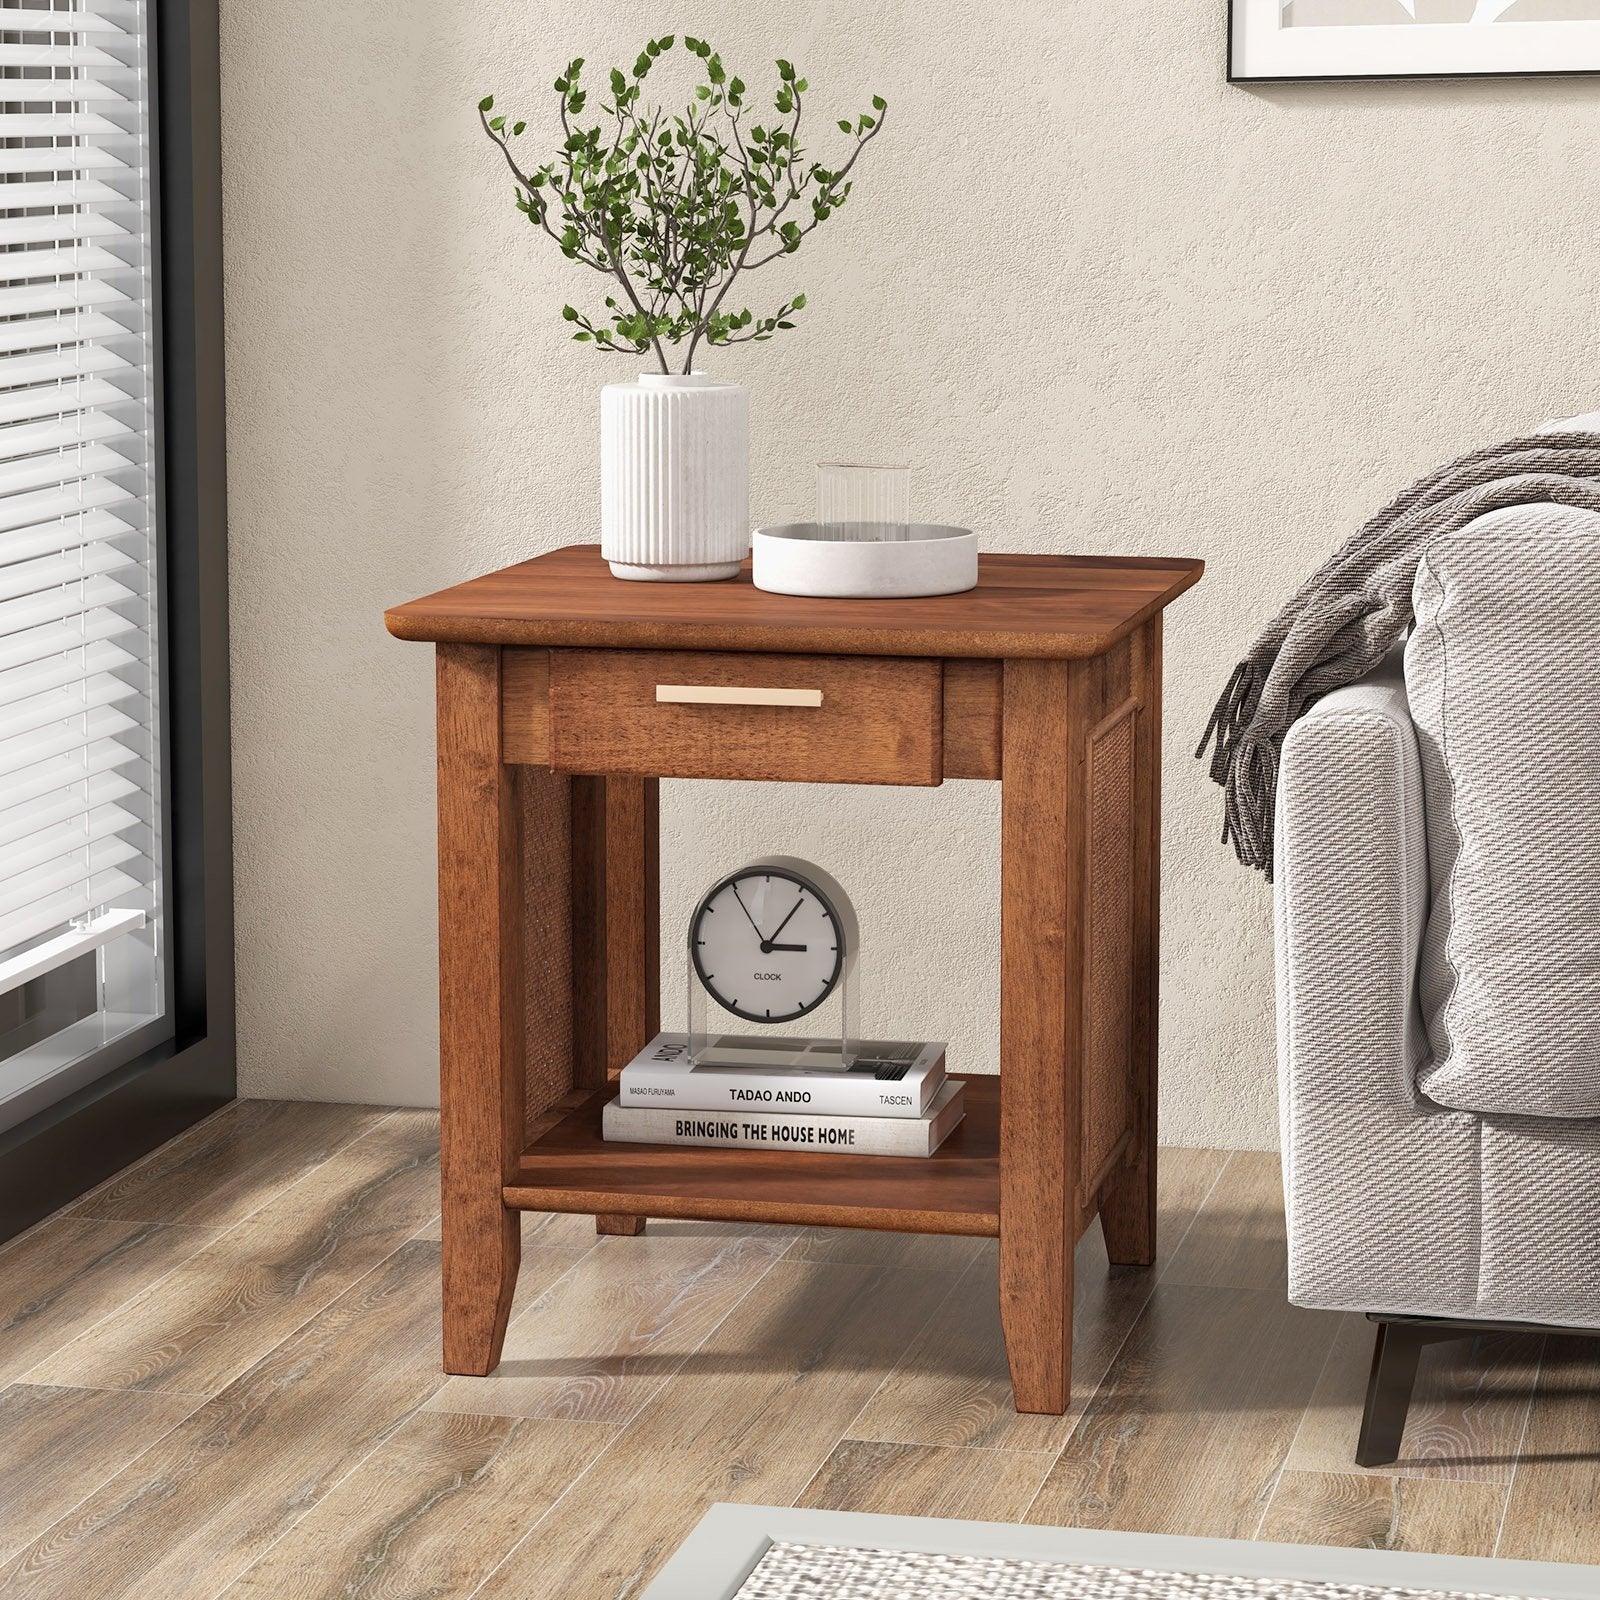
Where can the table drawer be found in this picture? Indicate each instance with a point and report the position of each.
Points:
(789, 719)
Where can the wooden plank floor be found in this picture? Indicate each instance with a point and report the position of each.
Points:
(218, 1377)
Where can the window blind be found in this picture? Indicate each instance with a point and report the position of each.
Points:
(80, 814)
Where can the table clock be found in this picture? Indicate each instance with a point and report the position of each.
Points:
(771, 943)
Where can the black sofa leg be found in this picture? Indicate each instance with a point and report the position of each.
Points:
(1395, 1353)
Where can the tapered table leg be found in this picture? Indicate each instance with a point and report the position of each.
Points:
(1041, 869)
(1128, 1205)
(481, 1008)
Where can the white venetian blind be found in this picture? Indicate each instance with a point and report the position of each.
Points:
(79, 790)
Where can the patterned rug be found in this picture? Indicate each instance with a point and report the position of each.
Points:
(828, 1572)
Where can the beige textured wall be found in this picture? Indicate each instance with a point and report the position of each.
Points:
(1103, 302)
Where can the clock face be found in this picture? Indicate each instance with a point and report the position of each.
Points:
(766, 945)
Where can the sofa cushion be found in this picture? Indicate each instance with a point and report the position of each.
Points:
(1503, 674)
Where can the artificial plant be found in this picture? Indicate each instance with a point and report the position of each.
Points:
(674, 207)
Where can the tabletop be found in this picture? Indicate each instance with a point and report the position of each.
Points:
(1040, 606)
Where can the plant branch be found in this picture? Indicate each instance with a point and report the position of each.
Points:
(838, 177)
(633, 299)
(537, 205)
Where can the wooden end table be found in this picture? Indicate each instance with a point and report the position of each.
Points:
(551, 737)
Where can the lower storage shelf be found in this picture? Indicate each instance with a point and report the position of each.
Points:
(570, 1167)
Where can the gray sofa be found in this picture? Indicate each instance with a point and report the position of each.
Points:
(1438, 942)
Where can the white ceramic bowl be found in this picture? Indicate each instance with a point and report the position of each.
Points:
(800, 558)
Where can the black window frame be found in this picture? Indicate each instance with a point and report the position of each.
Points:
(74, 1144)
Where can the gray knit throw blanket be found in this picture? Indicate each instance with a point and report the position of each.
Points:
(1343, 621)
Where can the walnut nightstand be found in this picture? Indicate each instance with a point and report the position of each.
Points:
(551, 736)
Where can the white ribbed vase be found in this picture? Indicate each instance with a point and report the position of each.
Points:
(675, 477)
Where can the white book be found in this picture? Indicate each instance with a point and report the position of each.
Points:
(887, 1079)
(760, 1130)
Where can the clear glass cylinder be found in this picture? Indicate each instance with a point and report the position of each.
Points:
(824, 1040)
(863, 503)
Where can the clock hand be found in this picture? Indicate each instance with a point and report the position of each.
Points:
(768, 946)
(747, 917)
(792, 909)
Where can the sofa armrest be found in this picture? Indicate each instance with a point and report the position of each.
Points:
(1382, 1188)
(1351, 898)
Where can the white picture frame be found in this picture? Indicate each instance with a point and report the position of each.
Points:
(1263, 48)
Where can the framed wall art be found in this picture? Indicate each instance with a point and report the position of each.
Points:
(1301, 39)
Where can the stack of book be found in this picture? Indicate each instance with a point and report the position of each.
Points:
(761, 1094)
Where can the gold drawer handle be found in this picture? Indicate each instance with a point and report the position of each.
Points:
(713, 694)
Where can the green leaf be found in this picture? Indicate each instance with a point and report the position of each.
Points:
(844, 127)
(570, 313)
(652, 49)
(736, 87)
(497, 123)
(691, 43)
(619, 84)
(487, 103)
(801, 86)
(517, 127)
(798, 303)
(786, 71)
(641, 65)
(867, 122)
(584, 337)
(715, 71)
(701, 92)
(666, 41)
